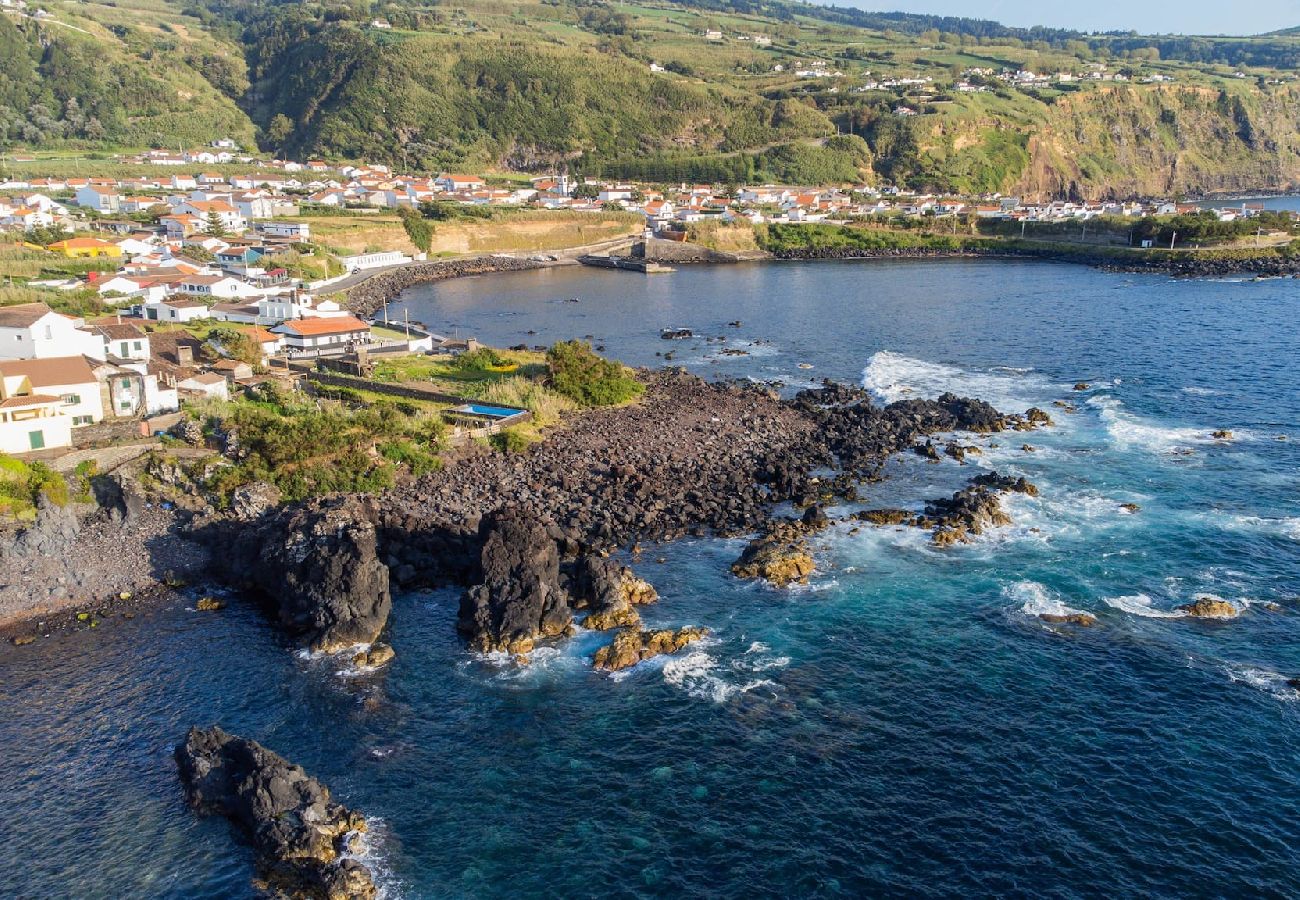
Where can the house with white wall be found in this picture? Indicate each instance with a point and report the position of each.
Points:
(99, 198)
(69, 379)
(34, 331)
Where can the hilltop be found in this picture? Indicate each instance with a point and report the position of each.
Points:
(740, 91)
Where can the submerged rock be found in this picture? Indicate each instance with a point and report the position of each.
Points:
(210, 604)
(1083, 620)
(631, 646)
(1208, 606)
(885, 516)
(610, 591)
(299, 833)
(519, 598)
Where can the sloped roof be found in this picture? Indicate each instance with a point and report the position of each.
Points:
(48, 371)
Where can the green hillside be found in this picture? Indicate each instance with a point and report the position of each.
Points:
(700, 90)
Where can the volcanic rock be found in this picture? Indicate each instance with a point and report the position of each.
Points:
(1083, 620)
(315, 565)
(299, 833)
(631, 646)
(781, 557)
(610, 591)
(519, 598)
(1208, 606)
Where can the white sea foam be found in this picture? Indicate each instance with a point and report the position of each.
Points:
(1201, 392)
(1269, 682)
(759, 658)
(1036, 599)
(1140, 605)
(1287, 526)
(367, 848)
(1128, 431)
(697, 674)
(893, 376)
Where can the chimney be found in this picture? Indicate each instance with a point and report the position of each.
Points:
(184, 354)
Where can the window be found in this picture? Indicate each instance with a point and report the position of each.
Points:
(137, 345)
(71, 399)
(49, 333)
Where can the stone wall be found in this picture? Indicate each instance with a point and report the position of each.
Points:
(373, 294)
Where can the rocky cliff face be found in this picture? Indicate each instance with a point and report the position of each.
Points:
(316, 568)
(299, 833)
(1126, 141)
(519, 598)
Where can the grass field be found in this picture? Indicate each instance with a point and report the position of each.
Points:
(518, 231)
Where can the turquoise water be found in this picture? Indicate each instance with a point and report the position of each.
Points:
(496, 412)
(905, 725)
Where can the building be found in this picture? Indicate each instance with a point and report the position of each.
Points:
(85, 248)
(206, 384)
(298, 230)
(34, 331)
(335, 333)
(176, 309)
(99, 198)
(67, 387)
(124, 340)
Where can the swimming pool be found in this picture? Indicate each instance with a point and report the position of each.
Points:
(488, 412)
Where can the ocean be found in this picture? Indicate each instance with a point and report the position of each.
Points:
(905, 725)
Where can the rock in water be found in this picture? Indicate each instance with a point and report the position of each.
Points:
(297, 831)
(1083, 620)
(519, 598)
(781, 557)
(317, 568)
(631, 646)
(1208, 606)
(610, 591)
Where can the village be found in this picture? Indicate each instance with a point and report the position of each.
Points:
(196, 301)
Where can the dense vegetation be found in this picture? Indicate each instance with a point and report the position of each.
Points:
(588, 379)
(305, 446)
(569, 84)
(24, 484)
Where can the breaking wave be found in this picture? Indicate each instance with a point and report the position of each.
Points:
(893, 376)
(1140, 605)
(697, 674)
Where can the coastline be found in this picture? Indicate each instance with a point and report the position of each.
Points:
(371, 295)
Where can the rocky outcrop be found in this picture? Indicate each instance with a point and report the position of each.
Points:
(610, 592)
(781, 556)
(315, 566)
(631, 646)
(1081, 619)
(519, 598)
(1208, 606)
(299, 833)
(53, 533)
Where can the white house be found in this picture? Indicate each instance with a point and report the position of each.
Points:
(322, 333)
(176, 309)
(299, 230)
(230, 218)
(100, 199)
(34, 331)
(453, 183)
(208, 384)
(224, 287)
(68, 379)
(124, 340)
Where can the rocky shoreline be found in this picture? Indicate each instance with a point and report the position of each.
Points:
(376, 292)
(1177, 266)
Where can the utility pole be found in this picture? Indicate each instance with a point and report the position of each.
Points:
(1173, 237)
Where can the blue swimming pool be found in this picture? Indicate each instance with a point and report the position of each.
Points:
(491, 412)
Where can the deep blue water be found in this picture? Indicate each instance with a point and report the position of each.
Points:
(905, 725)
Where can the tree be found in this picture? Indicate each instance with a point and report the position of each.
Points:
(588, 379)
(418, 228)
(279, 129)
(214, 224)
(586, 192)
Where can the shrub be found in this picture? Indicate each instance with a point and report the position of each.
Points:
(511, 440)
(479, 360)
(546, 405)
(587, 379)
